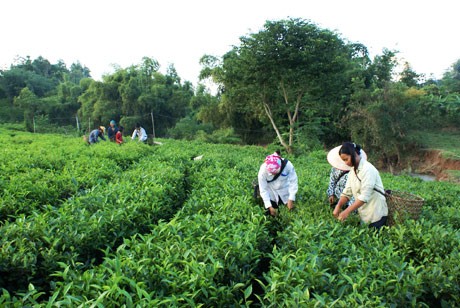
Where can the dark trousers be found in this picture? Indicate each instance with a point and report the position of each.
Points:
(378, 224)
(275, 205)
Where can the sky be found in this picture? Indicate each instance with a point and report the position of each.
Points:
(100, 34)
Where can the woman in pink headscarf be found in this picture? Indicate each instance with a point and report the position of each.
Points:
(277, 183)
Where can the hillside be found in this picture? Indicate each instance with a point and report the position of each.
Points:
(440, 154)
(148, 226)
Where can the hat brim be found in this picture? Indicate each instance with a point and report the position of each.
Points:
(336, 161)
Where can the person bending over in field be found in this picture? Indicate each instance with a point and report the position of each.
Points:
(112, 130)
(277, 183)
(338, 177)
(140, 132)
(119, 135)
(364, 183)
(96, 134)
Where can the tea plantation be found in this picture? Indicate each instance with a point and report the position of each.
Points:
(147, 226)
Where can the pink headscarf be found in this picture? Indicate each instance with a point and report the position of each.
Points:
(273, 163)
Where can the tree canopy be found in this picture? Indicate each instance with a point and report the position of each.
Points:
(292, 84)
(285, 75)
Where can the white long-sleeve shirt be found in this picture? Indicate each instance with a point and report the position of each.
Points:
(284, 187)
(140, 133)
(362, 188)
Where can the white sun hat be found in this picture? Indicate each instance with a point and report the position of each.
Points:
(336, 161)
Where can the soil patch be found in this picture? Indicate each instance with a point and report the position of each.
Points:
(432, 162)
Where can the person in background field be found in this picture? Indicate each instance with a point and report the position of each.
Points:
(139, 131)
(338, 177)
(365, 184)
(277, 183)
(96, 134)
(112, 130)
(119, 135)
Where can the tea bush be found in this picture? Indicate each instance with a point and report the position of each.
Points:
(139, 225)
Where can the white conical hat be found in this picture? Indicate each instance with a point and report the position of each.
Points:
(334, 159)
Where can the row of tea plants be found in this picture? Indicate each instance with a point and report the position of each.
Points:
(158, 228)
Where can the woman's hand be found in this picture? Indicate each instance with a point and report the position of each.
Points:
(336, 212)
(331, 200)
(290, 204)
(343, 215)
(273, 211)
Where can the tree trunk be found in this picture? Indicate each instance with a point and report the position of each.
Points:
(291, 117)
(286, 146)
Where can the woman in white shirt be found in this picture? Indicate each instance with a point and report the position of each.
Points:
(365, 185)
(277, 183)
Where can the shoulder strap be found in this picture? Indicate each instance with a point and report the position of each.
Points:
(384, 193)
(284, 162)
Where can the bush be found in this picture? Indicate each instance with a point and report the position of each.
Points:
(188, 129)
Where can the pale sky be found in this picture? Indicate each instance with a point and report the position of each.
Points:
(102, 33)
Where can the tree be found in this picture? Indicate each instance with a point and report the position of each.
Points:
(281, 72)
(380, 119)
(78, 72)
(451, 79)
(30, 103)
(132, 94)
(409, 77)
(382, 68)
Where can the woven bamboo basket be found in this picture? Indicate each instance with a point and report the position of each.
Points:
(402, 206)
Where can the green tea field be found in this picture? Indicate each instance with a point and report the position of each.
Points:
(147, 226)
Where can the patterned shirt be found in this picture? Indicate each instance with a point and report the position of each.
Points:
(337, 182)
(94, 135)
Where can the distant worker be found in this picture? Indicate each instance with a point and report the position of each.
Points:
(119, 135)
(112, 130)
(139, 131)
(96, 134)
(277, 183)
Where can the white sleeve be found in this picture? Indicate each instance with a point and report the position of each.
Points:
(134, 134)
(263, 187)
(293, 182)
(143, 135)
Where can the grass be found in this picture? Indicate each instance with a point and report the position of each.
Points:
(446, 141)
(454, 175)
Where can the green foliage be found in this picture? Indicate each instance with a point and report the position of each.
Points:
(187, 128)
(221, 136)
(51, 92)
(442, 140)
(136, 93)
(149, 226)
(281, 74)
(409, 77)
(9, 113)
(382, 119)
(441, 110)
(92, 219)
(451, 79)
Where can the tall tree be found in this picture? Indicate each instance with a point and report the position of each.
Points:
(382, 68)
(30, 103)
(451, 79)
(78, 72)
(280, 72)
(409, 77)
(380, 119)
